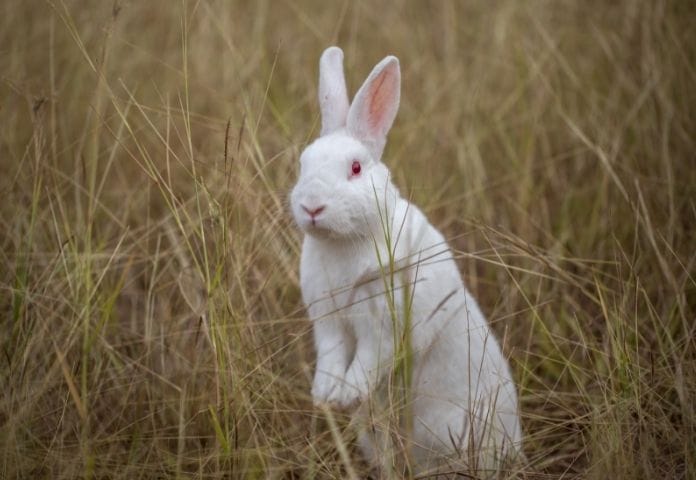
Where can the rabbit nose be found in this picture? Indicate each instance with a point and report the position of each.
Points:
(314, 212)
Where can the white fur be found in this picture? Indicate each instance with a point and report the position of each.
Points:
(461, 381)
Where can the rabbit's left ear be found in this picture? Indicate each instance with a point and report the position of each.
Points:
(333, 98)
(375, 105)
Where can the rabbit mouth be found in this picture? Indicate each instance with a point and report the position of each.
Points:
(318, 228)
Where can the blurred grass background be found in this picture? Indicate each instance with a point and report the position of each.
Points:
(151, 317)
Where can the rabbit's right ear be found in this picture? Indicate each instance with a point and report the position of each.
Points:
(375, 105)
(333, 98)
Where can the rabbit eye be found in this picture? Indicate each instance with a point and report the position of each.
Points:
(355, 168)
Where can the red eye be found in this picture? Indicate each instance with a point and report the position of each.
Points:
(355, 168)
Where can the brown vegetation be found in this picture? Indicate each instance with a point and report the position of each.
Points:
(151, 318)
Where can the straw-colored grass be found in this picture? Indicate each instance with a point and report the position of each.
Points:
(151, 321)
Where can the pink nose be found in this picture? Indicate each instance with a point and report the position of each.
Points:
(314, 212)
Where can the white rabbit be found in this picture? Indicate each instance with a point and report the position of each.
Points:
(463, 401)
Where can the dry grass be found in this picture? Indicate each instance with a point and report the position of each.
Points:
(151, 319)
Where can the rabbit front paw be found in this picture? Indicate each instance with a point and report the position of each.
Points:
(349, 394)
(324, 385)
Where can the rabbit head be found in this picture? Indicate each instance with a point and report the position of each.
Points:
(343, 184)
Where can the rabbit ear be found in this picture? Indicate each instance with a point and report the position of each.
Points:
(333, 99)
(375, 105)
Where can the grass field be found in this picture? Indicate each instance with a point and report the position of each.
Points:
(152, 325)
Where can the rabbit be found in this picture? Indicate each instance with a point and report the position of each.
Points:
(463, 402)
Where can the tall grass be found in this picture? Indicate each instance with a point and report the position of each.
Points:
(151, 317)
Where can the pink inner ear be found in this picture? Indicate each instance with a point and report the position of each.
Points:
(382, 91)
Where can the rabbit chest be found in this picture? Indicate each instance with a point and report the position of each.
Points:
(341, 281)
